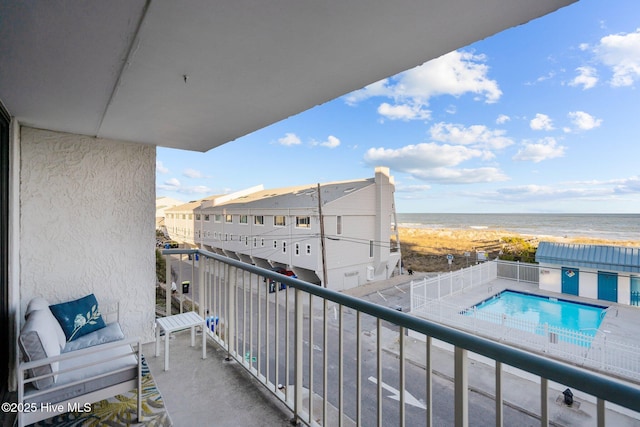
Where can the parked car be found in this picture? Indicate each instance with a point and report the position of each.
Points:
(283, 271)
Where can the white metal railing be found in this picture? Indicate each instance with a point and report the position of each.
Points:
(323, 354)
(455, 282)
(448, 284)
(593, 349)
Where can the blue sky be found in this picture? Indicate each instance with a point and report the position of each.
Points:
(544, 117)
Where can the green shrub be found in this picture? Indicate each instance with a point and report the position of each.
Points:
(161, 267)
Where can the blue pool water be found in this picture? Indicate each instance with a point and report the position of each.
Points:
(583, 318)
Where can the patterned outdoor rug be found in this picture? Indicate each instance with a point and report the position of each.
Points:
(119, 410)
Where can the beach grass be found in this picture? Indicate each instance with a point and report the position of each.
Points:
(426, 249)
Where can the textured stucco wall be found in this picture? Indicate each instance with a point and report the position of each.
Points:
(87, 223)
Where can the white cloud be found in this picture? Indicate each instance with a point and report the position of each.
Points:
(502, 119)
(621, 52)
(547, 193)
(403, 112)
(595, 191)
(434, 162)
(541, 122)
(546, 149)
(549, 76)
(627, 185)
(584, 121)
(331, 142)
(456, 73)
(420, 156)
(587, 78)
(160, 168)
(192, 173)
(478, 136)
(172, 182)
(461, 176)
(289, 139)
(412, 188)
(378, 88)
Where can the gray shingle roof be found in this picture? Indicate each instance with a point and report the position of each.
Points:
(601, 257)
(304, 196)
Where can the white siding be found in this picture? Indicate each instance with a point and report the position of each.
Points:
(87, 223)
(588, 283)
(550, 278)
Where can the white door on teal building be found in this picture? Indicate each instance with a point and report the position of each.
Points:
(608, 286)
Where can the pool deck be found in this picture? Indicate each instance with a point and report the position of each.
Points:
(620, 322)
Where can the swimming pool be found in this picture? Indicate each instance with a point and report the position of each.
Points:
(516, 308)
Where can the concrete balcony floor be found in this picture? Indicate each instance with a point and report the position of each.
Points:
(211, 391)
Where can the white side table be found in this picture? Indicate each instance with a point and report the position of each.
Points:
(179, 322)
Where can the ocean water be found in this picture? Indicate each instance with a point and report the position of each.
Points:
(598, 226)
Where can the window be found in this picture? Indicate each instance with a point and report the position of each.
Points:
(206, 217)
(284, 247)
(197, 217)
(370, 248)
(217, 218)
(258, 220)
(255, 242)
(338, 225)
(244, 219)
(262, 242)
(275, 244)
(303, 221)
(226, 236)
(190, 216)
(279, 221)
(246, 240)
(231, 237)
(228, 218)
(308, 249)
(297, 249)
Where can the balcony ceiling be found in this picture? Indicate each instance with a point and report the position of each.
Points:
(116, 69)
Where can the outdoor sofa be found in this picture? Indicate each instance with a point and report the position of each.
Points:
(73, 358)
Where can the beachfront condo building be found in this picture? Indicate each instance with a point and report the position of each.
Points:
(336, 234)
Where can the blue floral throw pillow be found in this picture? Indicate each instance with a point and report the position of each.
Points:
(79, 317)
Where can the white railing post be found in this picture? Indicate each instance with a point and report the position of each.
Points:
(411, 306)
(461, 385)
(499, 407)
(201, 285)
(429, 384)
(168, 280)
(299, 346)
(231, 311)
(544, 404)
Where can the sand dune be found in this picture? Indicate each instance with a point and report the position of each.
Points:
(426, 249)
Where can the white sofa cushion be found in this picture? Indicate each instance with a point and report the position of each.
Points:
(39, 303)
(38, 339)
(112, 332)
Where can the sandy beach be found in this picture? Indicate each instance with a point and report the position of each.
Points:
(425, 249)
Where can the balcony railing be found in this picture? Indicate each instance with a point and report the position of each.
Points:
(323, 354)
